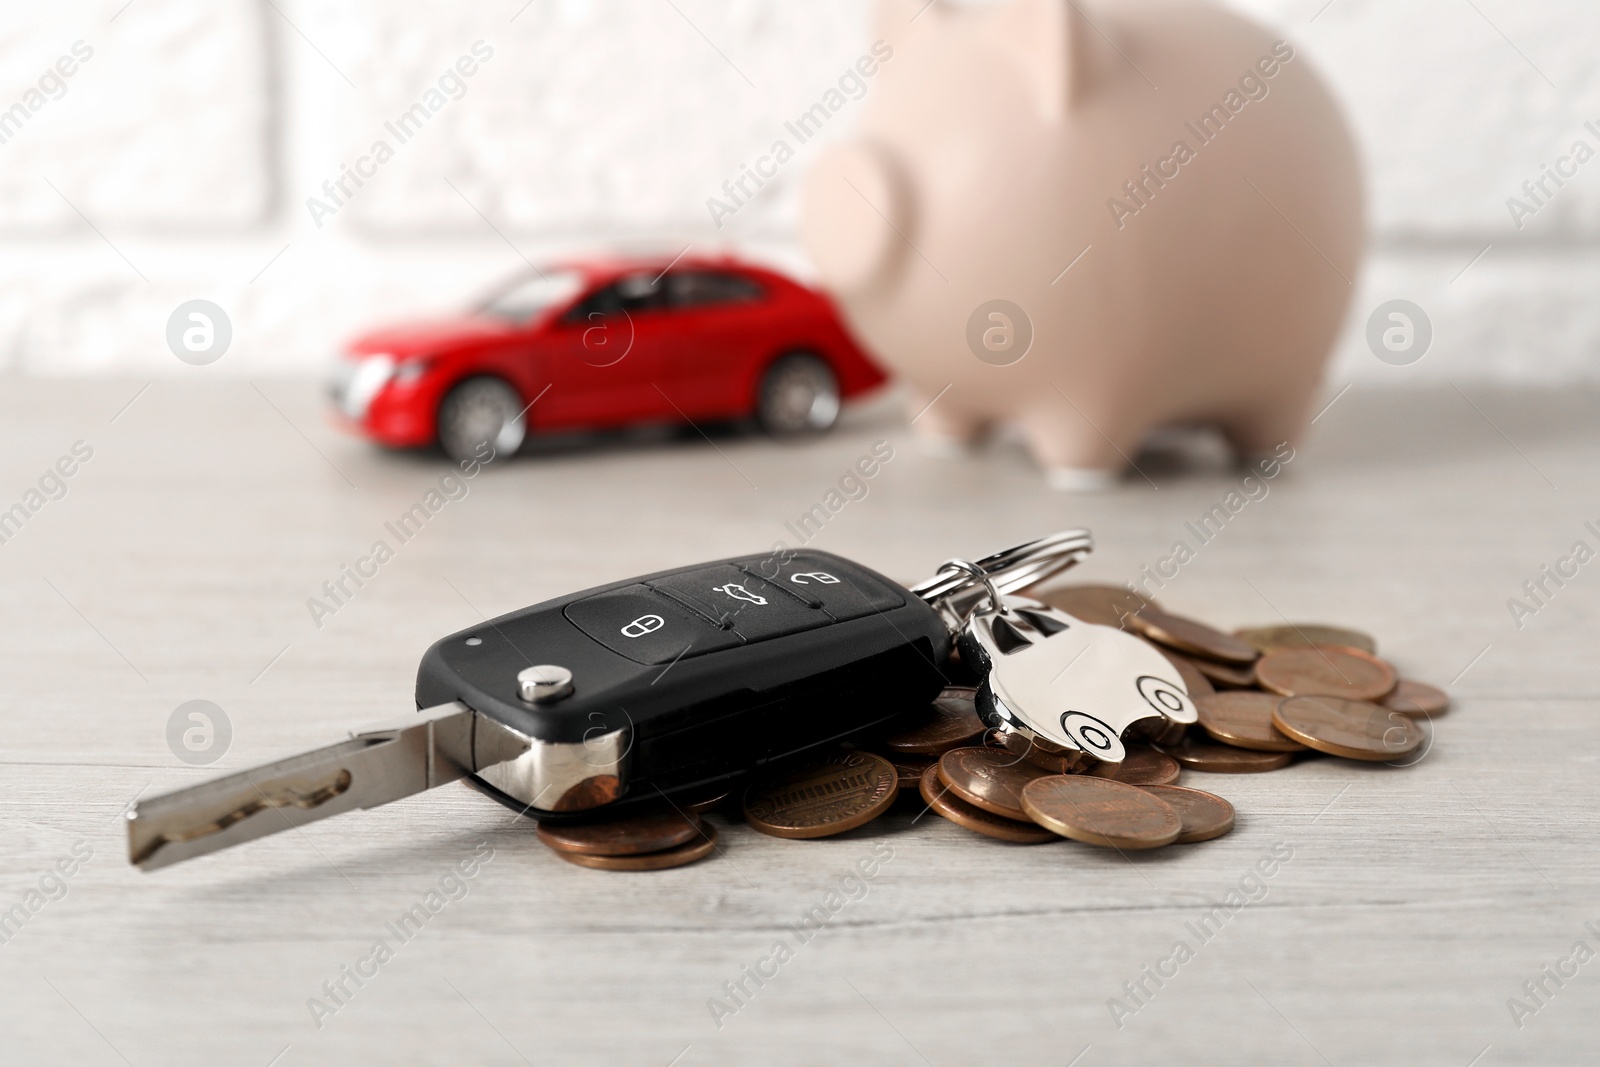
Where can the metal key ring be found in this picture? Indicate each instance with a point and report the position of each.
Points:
(1013, 568)
(977, 574)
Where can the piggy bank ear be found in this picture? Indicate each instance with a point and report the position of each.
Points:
(857, 212)
(1052, 42)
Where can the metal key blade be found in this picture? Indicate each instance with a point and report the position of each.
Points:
(369, 769)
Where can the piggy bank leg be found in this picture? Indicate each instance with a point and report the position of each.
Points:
(1076, 454)
(1264, 432)
(942, 428)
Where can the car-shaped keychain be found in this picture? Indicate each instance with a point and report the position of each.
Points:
(604, 344)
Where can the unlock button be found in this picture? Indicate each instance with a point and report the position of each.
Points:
(646, 626)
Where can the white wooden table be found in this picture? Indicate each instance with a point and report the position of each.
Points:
(180, 560)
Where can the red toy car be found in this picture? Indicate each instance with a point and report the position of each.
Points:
(593, 345)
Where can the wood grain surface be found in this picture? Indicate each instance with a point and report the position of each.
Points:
(1403, 910)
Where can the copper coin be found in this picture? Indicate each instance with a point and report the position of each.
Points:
(1044, 754)
(1225, 675)
(1353, 729)
(1199, 754)
(706, 800)
(1103, 605)
(1156, 730)
(592, 792)
(991, 778)
(942, 800)
(908, 770)
(1194, 683)
(651, 832)
(1143, 766)
(1244, 719)
(950, 722)
(1195, 638)
(1204, 815)
(1098, 811)
(1326, 671)
(1417, 698)
(824, 797)
(1303, 635)
(699, 848)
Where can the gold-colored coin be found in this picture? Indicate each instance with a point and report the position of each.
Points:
(1326, 670)
(1200, 754)
(1103, 605)
(944, 801)
(1417, 698)
(824, 797)
(653, 831)
(951, 721)
(990, 778)
(1244, 718)
(1188, 635)
(649, 861)
(1353, 729)
(1303, 635)
(1098, 811)
(1225, 675)
(1204, 815)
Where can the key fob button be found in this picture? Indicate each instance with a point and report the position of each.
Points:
(843, 591)
(754, 608)
(646, 627)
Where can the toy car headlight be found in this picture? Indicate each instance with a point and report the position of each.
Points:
(366, 382)
(410, 371)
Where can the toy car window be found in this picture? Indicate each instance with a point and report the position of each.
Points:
(695, 288)
(528, 296)
(635, 293)
(639, 291)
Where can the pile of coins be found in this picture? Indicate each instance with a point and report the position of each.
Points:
(1265, 695)
(670, 836)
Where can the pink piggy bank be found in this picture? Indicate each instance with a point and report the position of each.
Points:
(1093, 222)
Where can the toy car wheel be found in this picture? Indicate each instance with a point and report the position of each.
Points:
(481, 411)
(799, 393)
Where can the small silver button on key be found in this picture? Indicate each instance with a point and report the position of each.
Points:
(545, 683)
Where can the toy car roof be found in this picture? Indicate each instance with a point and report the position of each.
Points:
(604, 268)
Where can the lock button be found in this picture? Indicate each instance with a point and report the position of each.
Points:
(645, 626)
(755, 609)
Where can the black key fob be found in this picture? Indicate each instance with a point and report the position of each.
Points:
(679, 681)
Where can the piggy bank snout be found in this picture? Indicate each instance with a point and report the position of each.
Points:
(857, 209)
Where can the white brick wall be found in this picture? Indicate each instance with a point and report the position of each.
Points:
(178, 162)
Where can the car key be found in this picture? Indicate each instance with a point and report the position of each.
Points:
(616, 696)
(367, 770)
